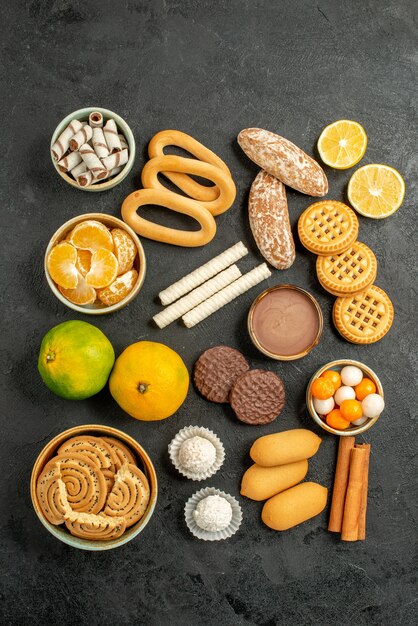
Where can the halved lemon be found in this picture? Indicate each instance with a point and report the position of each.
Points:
(342, 144)
(376, 190)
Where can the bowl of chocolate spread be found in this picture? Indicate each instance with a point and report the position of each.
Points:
(285, 322)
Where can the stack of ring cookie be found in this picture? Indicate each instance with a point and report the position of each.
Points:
(202, 203)
(346, 268)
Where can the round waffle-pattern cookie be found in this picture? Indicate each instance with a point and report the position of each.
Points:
(363, 317)
(258, 397)
(328, 227)
(216, 370)
(348, 272)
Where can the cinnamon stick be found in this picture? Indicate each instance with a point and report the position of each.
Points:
(345, 446)
(353, 499)
(364, 493)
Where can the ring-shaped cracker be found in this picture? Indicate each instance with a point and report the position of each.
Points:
(174, 202)
(183, 181)
(172, 163)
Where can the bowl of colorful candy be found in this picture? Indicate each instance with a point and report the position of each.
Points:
(345, 397)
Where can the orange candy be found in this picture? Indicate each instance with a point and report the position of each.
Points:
(322, 388)
(334, 377)
(351, 410)
(336, 420)
(364, 388)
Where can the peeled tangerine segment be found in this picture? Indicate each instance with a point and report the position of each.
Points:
(125, 249)
(83, 294)
(83, 262)
(91, 235)
(103, 269)
(61, 265)
(119, 289)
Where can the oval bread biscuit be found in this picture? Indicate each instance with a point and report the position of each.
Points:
(269, 221)
(288, 446)
(261, 483)
(294, 506)
(282, 159)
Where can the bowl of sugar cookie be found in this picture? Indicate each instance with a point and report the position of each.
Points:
(94, 487)
(93, 149)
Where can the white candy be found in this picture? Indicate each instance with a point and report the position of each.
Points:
(361, 420)
(344, 393)
(351, 375)
(372, 405)
(323, 407)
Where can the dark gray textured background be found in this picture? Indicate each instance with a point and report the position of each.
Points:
(209, 69)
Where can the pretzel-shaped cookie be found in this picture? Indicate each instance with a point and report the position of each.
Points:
(172, 163)
(175, 202)
(184, 182)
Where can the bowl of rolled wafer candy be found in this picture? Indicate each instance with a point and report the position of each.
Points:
(95, 264)
(94, 487)
(93, 149)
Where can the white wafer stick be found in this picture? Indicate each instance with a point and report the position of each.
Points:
(203, 273)
(82, 136)
(195, 297)
(99, 143)
(69, 162)
(226, 295)
(96, 119)
(79, 169)
(111, 135)
(92, 161)
(62, 144)
(116, 159)
(113, 172)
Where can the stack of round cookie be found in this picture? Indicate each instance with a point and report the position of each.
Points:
(346, 268)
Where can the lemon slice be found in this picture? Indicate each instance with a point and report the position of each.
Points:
(376, 190)
(342, 144)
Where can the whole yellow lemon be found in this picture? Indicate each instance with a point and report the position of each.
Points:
(149, 381)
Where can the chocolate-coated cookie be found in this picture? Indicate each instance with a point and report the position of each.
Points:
(257, 397)
(216, 370)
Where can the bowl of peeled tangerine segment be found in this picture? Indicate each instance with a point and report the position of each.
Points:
(345, 397)
(95, 264)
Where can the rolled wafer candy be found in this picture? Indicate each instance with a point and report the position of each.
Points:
(130, 495)
(62, 144)
(51, 494)
(123, 142)
(94, 165)
(95, 119)
(195, 297)
(99, 143)
(85, 179)
(70, 161)
(81, 137)
(116, 159)
(95, 527)
(114, 172)
(111, 135)
(79, 169)
(123, 454)
(203, 273)
(84, 482)
(226, 295)
(94, 448)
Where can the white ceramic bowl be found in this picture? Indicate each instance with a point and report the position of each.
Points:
(338, 365)
(83, 114)
(140, 263)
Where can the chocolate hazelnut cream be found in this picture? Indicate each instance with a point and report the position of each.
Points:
(285, 322)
